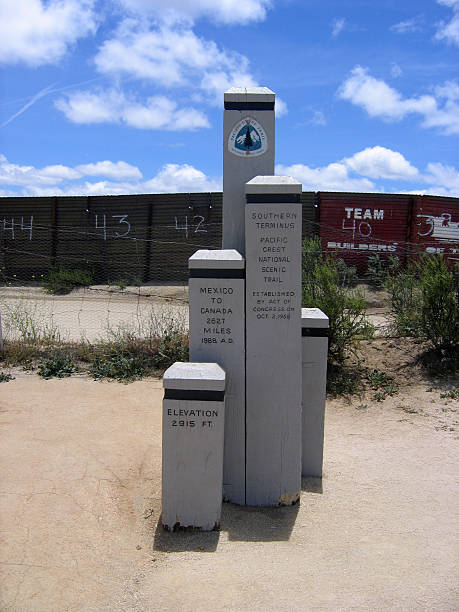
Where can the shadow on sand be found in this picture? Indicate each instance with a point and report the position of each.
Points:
(311, 485)
(242, 523)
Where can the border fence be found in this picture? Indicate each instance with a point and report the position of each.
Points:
(139, 239)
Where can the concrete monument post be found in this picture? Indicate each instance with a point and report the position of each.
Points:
(248, 151)
(273, 341)
(192, 450)
(314, 332)
(217, 334)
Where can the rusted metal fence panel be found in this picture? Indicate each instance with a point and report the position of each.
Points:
(149, 238)
(128, 238)
(310, 214)
(357, 225)
(435, 227)
(26, 236)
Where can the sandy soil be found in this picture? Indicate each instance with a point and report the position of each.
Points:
(80, 508)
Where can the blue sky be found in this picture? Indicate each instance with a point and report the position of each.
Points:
(125, 96)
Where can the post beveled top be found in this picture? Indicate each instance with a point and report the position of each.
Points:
(313, 318)
(194, 376)
(249, 94)
(217, 258)
(273, 185)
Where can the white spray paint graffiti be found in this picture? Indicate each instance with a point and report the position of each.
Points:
(441, 228)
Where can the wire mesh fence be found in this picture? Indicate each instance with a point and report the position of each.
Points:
(127, 256)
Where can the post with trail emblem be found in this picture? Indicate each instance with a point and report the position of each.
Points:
(248, 151)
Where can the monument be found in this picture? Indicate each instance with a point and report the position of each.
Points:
(257, 360)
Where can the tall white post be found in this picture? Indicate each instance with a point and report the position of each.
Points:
(273, 341)
(217, 334)
(314, 332)
(248, 151)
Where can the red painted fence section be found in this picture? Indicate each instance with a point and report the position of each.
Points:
(356, 225)
(435, 226)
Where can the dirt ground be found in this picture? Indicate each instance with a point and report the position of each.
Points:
(80, 506)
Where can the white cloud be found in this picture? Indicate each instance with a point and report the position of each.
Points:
(450, 30)
(338, 26)
(375, 163)
(334, 177)
(14, 174)
(164, 55)
(181, 177)
(445, 117)
(410, 25)
(445, 179)
(112, 106)
(59, 172)
(116, 170)
(58, 180)
(88, 107)
(173, 57)
(380, 100)
(281, 107)
(167, 57)
(37, 32)
(82, 189)
(222, 11)
(355, 173)
(379, 162)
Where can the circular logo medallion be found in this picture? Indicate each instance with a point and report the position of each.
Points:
(247, 138)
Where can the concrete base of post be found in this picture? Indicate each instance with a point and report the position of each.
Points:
(192, 453)
(314, 332)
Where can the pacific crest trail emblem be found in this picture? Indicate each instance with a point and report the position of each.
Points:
(247, 138)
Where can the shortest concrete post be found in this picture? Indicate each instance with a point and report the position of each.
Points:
(314, 332)
(192, 453)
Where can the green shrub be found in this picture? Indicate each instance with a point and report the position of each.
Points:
(380, 269)
(56, 365)
(451, 394)
(31, 322)
(118, 366)
(5, 377)
(406, 303)
(425, 303)
(344, 379)
(440, 304)
(124, 281)
(345, 308)
(382, 384)
(347, 275)
(62, 280)
(173, 346)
